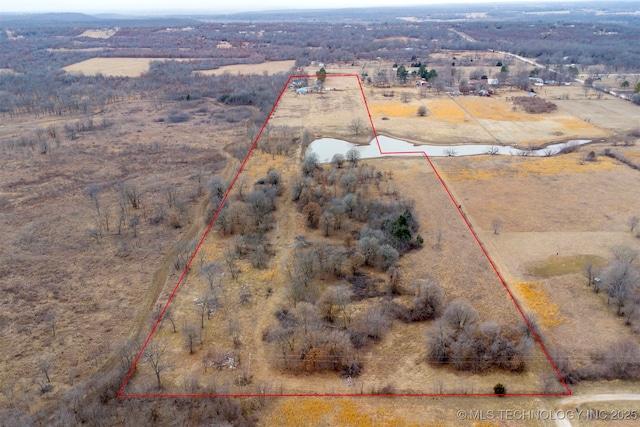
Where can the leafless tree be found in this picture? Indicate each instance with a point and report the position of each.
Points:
(422, 111)
(439, 235)
(190, 334)
(357, 125)
(623, 359)
(621, 280)
(156, 356)
(625, 254)
(231, 261)
(497, 225)
(211, 271)
(45, 365)
(633, 222)
(459, 314)
(353, 156)
(50, 319)
(337, 160)
(206, 303)
(588, 271)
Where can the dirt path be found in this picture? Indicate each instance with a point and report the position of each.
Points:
(591, 398)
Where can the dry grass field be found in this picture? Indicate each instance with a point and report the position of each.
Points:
(269, 68)
(73, 307)
(111, 67)
(556, 213)
(72, 296)
(249, 303)
(471, 119)
(99, 34)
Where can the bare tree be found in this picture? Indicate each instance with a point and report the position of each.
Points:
(50, 319)
(621, 279)
(625, 254)
(497, 225)
(633, 222)
(206, 304)
(342, 297)
(231, 261)
(353, 156)
(588, 271)
(190, 334)
(337, 160)
(45, 365)
(357, 125)
(422, 111)
(210, 271)
(155, 355)
(459, 314)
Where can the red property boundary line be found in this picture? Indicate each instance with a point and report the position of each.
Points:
(123, 395)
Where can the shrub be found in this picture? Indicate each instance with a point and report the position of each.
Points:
(499, 389)
(178, 118)
(534, 105)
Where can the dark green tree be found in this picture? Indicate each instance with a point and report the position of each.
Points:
(321, 74)
(402, 73)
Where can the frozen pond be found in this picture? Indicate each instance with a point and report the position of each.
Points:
(325, 148)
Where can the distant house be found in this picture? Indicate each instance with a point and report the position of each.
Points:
(491, 82)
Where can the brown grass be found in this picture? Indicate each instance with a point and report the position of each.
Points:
(99, 34)
(270, 68)
(127, 67)
(399, 357)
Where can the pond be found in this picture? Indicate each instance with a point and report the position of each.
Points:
(325, 148)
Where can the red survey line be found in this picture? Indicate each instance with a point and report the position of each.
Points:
(120, 393)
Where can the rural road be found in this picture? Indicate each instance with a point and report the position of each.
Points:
(591, 398)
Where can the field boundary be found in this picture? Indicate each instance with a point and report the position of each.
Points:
(122, 394)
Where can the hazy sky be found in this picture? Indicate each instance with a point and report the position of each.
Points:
(214, 6)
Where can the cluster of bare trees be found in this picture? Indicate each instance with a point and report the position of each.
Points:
(320, 329)
(279, 140)
(620, 280)
(462, 341)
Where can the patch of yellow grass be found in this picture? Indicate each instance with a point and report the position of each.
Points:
(493, 109)
(557, 165)
(318, 411)
(576, 125)
(538, 301)
(530, 166)
(393, 109)
(446, 110)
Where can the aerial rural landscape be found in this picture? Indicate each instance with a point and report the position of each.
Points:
(408, 216)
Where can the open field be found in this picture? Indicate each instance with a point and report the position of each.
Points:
(270, 68)
(247, 304)
(53, 308)
(99, 34)
(85, 267)
(473, 119)
(126, 67)
(572, 215)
